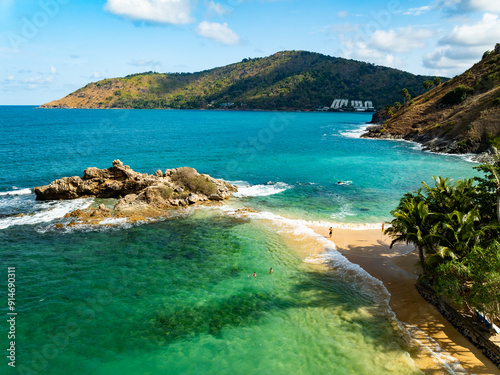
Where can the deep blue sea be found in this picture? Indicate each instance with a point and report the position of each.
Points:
(174, 296)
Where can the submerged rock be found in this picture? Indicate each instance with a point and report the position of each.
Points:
(138, 191)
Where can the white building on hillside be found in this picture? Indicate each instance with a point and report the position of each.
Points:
(355, 105)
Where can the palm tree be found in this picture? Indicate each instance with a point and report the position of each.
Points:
(447, 197)
(412, 224)
(458, 232)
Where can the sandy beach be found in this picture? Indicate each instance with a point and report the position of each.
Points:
(397, 269)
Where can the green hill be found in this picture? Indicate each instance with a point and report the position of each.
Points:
(459, 116)
(290, 80)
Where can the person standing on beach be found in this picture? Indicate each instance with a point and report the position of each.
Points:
(331, 232)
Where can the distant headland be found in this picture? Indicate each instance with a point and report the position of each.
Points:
(288, 80)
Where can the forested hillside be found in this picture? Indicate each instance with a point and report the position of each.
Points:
(289, 80)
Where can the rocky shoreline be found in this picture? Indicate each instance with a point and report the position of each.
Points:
(139, 195)
(431, 143)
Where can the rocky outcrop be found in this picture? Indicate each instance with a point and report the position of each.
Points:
(459, 116)
(380, 116)
(138, 191)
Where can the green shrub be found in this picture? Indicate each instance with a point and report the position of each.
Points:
(194, 181)
(494, 141)
(457, 95)
(166, 192)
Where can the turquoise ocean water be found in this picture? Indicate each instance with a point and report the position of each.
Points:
(174, 296)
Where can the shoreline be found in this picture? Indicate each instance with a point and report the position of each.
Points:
(396, 269)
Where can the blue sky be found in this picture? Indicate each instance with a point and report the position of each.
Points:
(49, 48)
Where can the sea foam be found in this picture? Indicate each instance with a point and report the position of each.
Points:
(47, 212)
(356, 133)
(16, 192)
(247, 190)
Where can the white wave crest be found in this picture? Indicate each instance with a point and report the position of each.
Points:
(247, 190)
(356, 133)
(48, 211)
(113, 221)
(16, 192)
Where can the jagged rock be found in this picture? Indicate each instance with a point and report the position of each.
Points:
(379, 117)
(138, 191)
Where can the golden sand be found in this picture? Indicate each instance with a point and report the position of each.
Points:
(397, 269)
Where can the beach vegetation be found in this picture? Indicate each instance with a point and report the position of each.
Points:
(437, 81)
(455, 229)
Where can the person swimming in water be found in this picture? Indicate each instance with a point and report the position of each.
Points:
(271, 270)
(254, 274)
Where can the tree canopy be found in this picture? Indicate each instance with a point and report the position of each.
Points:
(454, 226)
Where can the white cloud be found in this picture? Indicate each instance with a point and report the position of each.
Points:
(95, 75)
(176, 12)
(359, 50)
(400, 40)
(446, 61)
(485, 5)
(464, 46)
(418, 11)
(36, 81)
(219, 32)
(485, 32)
(343, 13)
(465, 6)
(217, 9)
(52, 69)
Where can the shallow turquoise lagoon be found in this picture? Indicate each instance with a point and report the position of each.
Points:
(176, 296)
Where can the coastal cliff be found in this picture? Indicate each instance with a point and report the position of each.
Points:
(459, 116)
(138, 193)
